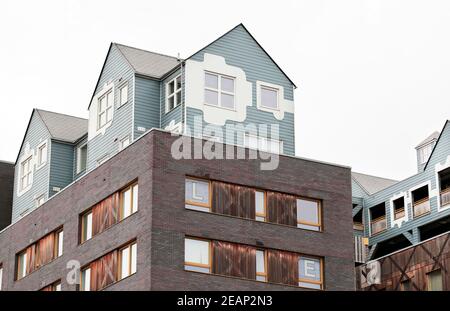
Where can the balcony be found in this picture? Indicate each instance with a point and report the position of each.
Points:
(358, 226)
(421, 207)
(400, 213)
(378, 225)
(445, 197)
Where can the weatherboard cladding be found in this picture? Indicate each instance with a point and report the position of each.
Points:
(176, 114)
(118, 71)
(80, 143)
(61, 166)
(241, 50)
(146, 105)
(37, 132)
(439, 155)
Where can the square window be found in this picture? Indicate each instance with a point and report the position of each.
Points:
(227, 84)
(310, 272)
(269, 97)
(211, 97)
(227, 100)
(219, 90)
(308, 214)
(211, 80)
(197, 255)
(197, 195)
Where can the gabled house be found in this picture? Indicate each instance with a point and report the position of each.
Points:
(391, 215)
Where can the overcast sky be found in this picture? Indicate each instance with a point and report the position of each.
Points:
(373, 76)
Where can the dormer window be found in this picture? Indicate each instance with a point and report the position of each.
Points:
(173, 91)
(219, 90)
(25, 174)
(424, 153)
(105, 109)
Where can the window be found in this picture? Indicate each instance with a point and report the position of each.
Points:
(55, 287)
(22, 265)
(261, 265)
(1, 275)
(405, 285)
(42, 154)
(59, 243)
(260, 206)
(310, 272)
(269, 97)
(127, 260)
(123, 93)
(263, 143)
(25, 174)
(308, 214)
(85, 284)
(173, 91)
(197, 255)
(424, 153)
(81, 158)
(219, 90)
(40, 200)
(128, 201)
(124, 142)
(86, 226)
(197, 194)
(434, 280)
(105, 109)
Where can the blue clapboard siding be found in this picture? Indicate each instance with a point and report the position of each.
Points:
(61, 166)
(80, 143)
(176, 114)
(118, 71)
(240, 50)
(439, 155)
(37, 132)
(146, 105)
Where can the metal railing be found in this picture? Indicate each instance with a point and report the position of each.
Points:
(421, 207)
(378, 225)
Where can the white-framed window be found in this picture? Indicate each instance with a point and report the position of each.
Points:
(22, 265)
(105, 109)
(260, 206)
(219, 90)
(124, 142)
(40, 200)
(86, 226)
(310, 272)
(59, 243)
(173, 93)
(263, 144)
(81, 158)
(198, 194)
(197, 255)
(26, 170)
(85, 284)
(41, 154)
(424, 153)
(128, 201)
(269, 97)
(127, 260)
(261, 265)
(123, 94)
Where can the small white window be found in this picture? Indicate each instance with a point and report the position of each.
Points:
(124, 142)
(86, 226)
(269, 97)
(105, 109)
(42, 154)
(85, 280)
(424, 153)
(81, 158)
(219, 90)
(129, 201)
(127, 257)
(26, 173)
(22, 265)
(261, 266)
(123, 93)
(60, 239)
(197, 255)
(40, 200)
(197, 195)
(173, 93)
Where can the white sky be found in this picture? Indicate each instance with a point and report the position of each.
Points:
(373, 75)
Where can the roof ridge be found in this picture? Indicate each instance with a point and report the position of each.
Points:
(62, 114)
(375, 176)
(147, 51)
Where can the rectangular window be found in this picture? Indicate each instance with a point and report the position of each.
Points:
(405, 285)
(128, 201)
(81, 158)
(40, 200)
(434, 280)
(269, 97)
(424, 153)
(260, 206)
(197, 255)
(124, 142)
(173, 91)
(59, 243)
(261, 265)
(127, 260)
(197, 194)
(308, 214)
(55, 287)
(85, 284)
(219, 90)
(86, 226)
(105, 109)
(22, 265)
(123, 93)
(25, 173)
(42, 154)
(1, 275)
(310, 272)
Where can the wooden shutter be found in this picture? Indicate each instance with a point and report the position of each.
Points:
(282, 208)
(31, 259)
(104, 271)
(282, 267)
(234, 260)
(45, 250)
(105, 214)
(233, 200)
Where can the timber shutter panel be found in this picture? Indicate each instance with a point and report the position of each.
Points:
(105, 214)
(282, 267)
(234, 260)
(45, 251)
(104, 271)
(233, 200)
(282, 208)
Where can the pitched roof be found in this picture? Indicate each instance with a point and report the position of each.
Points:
(372, 184)
(63, 127)
(148, 63)
(433, 136)
(437, 141)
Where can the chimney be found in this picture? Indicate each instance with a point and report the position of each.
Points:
(424, 150)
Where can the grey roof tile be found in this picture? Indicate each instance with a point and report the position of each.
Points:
(372, 184)
(64, 127)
